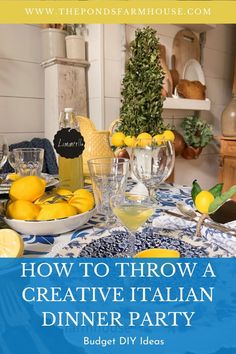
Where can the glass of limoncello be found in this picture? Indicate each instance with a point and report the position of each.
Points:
(132, 210)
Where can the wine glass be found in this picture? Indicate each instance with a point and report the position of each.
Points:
(3, 151)
(12, 160)
(132, 210)
(108, 176)
(152, 163)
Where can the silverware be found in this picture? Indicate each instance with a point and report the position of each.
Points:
(210, 224)
(16, 314)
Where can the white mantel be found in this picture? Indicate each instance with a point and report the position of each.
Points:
(65, 86)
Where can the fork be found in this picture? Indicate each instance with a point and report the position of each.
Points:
(16, 314)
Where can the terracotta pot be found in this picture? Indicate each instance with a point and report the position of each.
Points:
(190, 153)
(179, 143)
(122, 153)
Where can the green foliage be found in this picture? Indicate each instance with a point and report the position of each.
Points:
(220, 200)
(196, 189)
(216, 190)
(197, 133)
(142, 101)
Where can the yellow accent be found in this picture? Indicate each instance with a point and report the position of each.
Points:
(11, 244)
(49, 198)
(144, 139)
(106, 11)
(56, 211)
(117, 139)
(27, 188)
(158, 253)
(168, 135)
(13, 176)
(130, 141)
(82, 200)
(97, 142)
(158, 139)
(203, 201)
(63, 192)
(22, 210)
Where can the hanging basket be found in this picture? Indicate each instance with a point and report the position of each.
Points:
(191, 153)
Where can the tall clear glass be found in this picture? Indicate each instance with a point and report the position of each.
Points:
(3, 150)
(108, 176)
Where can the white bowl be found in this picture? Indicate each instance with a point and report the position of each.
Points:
(50, 227)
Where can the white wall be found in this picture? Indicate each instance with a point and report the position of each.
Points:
(21, 83)
(218, 65)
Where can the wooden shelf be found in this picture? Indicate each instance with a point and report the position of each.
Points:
(198, 27)
(187, 104)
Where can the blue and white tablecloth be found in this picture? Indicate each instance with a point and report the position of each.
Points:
(216, 244)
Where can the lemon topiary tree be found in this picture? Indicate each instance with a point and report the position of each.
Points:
(142, 100)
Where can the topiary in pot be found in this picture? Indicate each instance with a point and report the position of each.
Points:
(197, 134)
(142, 100)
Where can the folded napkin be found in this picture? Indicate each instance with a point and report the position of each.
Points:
(222, 239)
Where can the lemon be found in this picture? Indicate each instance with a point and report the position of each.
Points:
(49, 198)
(158, 139)
(144, 139)
(130, 141)
(63, 192)
(158, 253)
(56, 211)
(66, 193)
(168, 135)
(22, 210)
(82, 200)
(117, 139)
(11, 244)
(203, 201)
(13, 176)
(27, 188)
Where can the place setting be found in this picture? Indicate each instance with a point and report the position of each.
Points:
(127, 211)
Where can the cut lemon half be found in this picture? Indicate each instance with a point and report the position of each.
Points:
(11, 244)
(158, 253)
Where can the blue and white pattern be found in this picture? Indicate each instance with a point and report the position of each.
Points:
(172, 231)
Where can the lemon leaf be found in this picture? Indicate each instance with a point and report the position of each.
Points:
(196, 189)
(220, 200)
(217, 190)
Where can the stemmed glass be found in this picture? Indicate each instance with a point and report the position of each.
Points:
(11, 160)
(109, 176)
(152, 163)
(3, 151)
(133, 210)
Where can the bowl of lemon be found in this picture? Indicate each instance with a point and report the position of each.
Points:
(32, 211)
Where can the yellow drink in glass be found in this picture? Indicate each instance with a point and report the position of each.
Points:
(133, 216)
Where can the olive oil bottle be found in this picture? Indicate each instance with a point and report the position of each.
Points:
(69, 144)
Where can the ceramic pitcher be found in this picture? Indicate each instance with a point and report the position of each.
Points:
(97, 142)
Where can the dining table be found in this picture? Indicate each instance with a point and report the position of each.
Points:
(170, 229)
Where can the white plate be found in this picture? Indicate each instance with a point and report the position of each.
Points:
(51, 182)
(193, 71)
(50, 227)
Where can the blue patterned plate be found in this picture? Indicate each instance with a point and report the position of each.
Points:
(116, 243)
